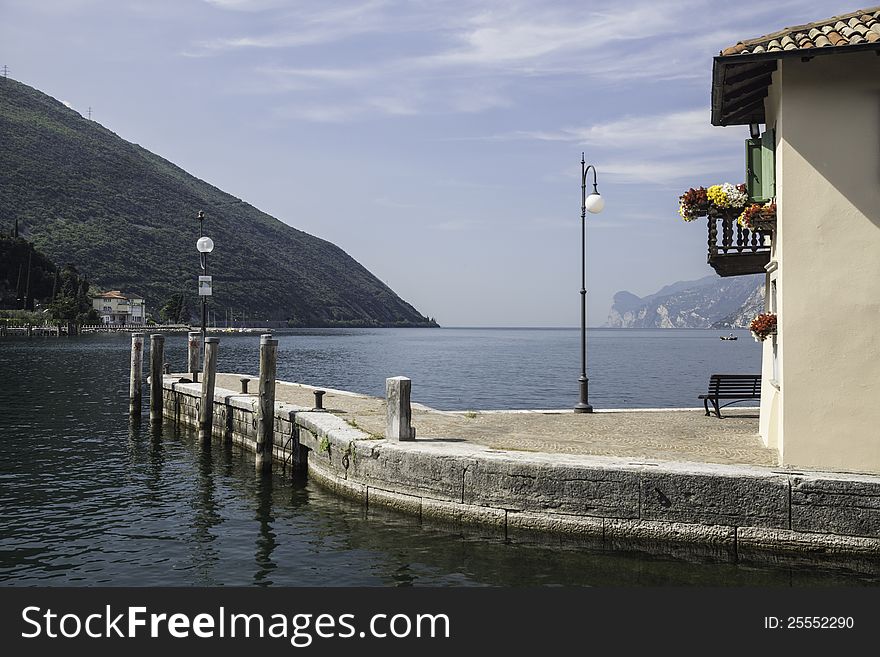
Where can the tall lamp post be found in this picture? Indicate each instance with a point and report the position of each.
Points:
(204, 245)
(593, 204)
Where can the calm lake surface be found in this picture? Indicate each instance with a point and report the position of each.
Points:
(86, 498)
(461, 369)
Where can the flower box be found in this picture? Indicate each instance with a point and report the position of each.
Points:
(760, 218)
(763, 326)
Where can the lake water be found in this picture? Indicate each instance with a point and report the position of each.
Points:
(86, 498)
(461, 369)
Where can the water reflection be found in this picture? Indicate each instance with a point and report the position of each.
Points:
(206, 516)
(266, 542)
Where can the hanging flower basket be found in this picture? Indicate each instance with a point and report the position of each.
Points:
(758, 217)
(717, 201)
(763, 326)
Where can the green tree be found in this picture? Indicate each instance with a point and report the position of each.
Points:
(175, 310)
(72, 302)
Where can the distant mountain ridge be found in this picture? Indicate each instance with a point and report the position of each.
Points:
(709, 302)
(127, 218)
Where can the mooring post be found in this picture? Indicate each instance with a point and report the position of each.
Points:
(206, 410)
(266, 402)
(137, 374)
(398, 424)
(157, 359)
(195, 341)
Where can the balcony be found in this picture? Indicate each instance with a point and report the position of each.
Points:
(734, 250)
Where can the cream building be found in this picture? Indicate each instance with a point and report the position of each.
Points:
(118, 309)
(813, 93)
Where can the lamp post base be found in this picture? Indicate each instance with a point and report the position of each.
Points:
(583, 406)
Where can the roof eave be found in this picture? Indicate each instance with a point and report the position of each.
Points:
(721, 115)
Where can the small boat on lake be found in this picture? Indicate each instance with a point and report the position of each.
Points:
(729, 337)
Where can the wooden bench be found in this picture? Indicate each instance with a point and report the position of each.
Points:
(736, 387)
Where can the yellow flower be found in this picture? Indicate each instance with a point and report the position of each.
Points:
(717, 196)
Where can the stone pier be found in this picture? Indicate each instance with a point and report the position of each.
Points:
(670, 481)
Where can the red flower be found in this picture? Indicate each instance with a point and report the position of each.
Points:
(763, 326)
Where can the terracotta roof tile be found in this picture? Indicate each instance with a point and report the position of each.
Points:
(861, 26)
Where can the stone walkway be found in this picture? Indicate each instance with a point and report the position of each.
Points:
(666, 435)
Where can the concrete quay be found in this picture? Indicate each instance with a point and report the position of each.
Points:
(667, 481)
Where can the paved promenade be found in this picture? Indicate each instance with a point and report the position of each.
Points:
(666, 435)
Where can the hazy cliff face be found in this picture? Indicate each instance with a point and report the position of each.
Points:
(710, 302)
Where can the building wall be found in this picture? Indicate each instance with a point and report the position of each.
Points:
(120, 311)
(827, 116)
(771, 397)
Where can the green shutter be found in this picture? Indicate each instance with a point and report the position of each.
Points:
(761, 167)
(754, 169)
(768, 164)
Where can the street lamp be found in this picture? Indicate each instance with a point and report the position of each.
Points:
(593, 204)
(204, 245)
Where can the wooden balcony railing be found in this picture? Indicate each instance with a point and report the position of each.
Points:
(734, 250)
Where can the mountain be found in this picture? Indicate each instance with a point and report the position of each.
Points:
(710, 302)
(126, 218)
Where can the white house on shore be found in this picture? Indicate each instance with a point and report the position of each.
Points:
(811, 96)
(118, 309)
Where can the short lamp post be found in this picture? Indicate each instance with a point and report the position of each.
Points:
(593, 204)
(204, 245)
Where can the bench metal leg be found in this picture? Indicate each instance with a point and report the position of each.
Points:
(717, 408)
(706, 406)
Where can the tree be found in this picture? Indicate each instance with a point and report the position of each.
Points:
(72, 303)
(175, 310)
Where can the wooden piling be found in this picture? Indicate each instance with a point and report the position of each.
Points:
(206, 410)
(194, 347)
(157, 360)
(266, 402)
(137, 374)
(398, 421)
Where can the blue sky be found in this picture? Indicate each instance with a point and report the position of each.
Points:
(437, 141)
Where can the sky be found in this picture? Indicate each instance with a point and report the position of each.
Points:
(438, 142)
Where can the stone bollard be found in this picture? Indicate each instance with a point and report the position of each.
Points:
(206, 410)
(398, 425)
(194, 347)
(157, 359)
(244, 384)
(266, 402)
(137, 374)
(319, 400)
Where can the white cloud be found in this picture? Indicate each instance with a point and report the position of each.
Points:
(468, 56)
(455, 57)
(530, 39)
(308, 26)
(247, 5)
(665, 171)
(676, 131)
